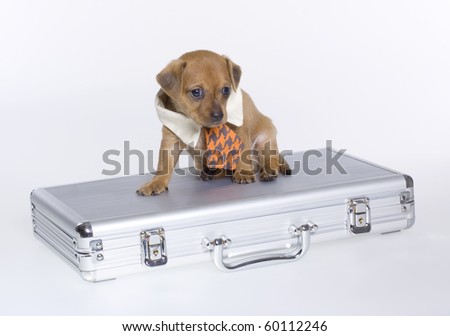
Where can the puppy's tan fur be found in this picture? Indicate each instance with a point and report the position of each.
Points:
(212, 72)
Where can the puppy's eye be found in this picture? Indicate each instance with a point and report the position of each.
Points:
(226, 91)
(197, 93)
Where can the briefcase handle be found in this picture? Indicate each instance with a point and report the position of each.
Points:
(303, 234)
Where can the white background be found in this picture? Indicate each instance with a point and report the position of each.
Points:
(77, 79)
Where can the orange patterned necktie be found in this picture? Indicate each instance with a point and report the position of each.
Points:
(224, 148)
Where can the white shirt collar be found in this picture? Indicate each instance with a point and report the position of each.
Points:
(187, 129)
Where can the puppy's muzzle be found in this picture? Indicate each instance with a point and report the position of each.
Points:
(216, 116)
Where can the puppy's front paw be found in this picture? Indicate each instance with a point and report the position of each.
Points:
(268, 176)
(153, 188)
(243, 177)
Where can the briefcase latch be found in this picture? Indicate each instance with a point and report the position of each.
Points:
(153, 247)
(358, 215)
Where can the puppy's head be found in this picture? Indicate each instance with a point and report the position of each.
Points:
(199, 83)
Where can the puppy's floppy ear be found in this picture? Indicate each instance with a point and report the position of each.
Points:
(234, 71)
(171, 77)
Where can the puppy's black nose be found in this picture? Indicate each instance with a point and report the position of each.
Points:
(216, 116)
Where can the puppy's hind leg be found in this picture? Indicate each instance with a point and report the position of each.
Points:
(270, 160)
(285, 169)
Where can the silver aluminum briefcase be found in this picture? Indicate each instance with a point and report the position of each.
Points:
(104, 229)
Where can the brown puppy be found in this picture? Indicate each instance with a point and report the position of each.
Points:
(197, 90)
